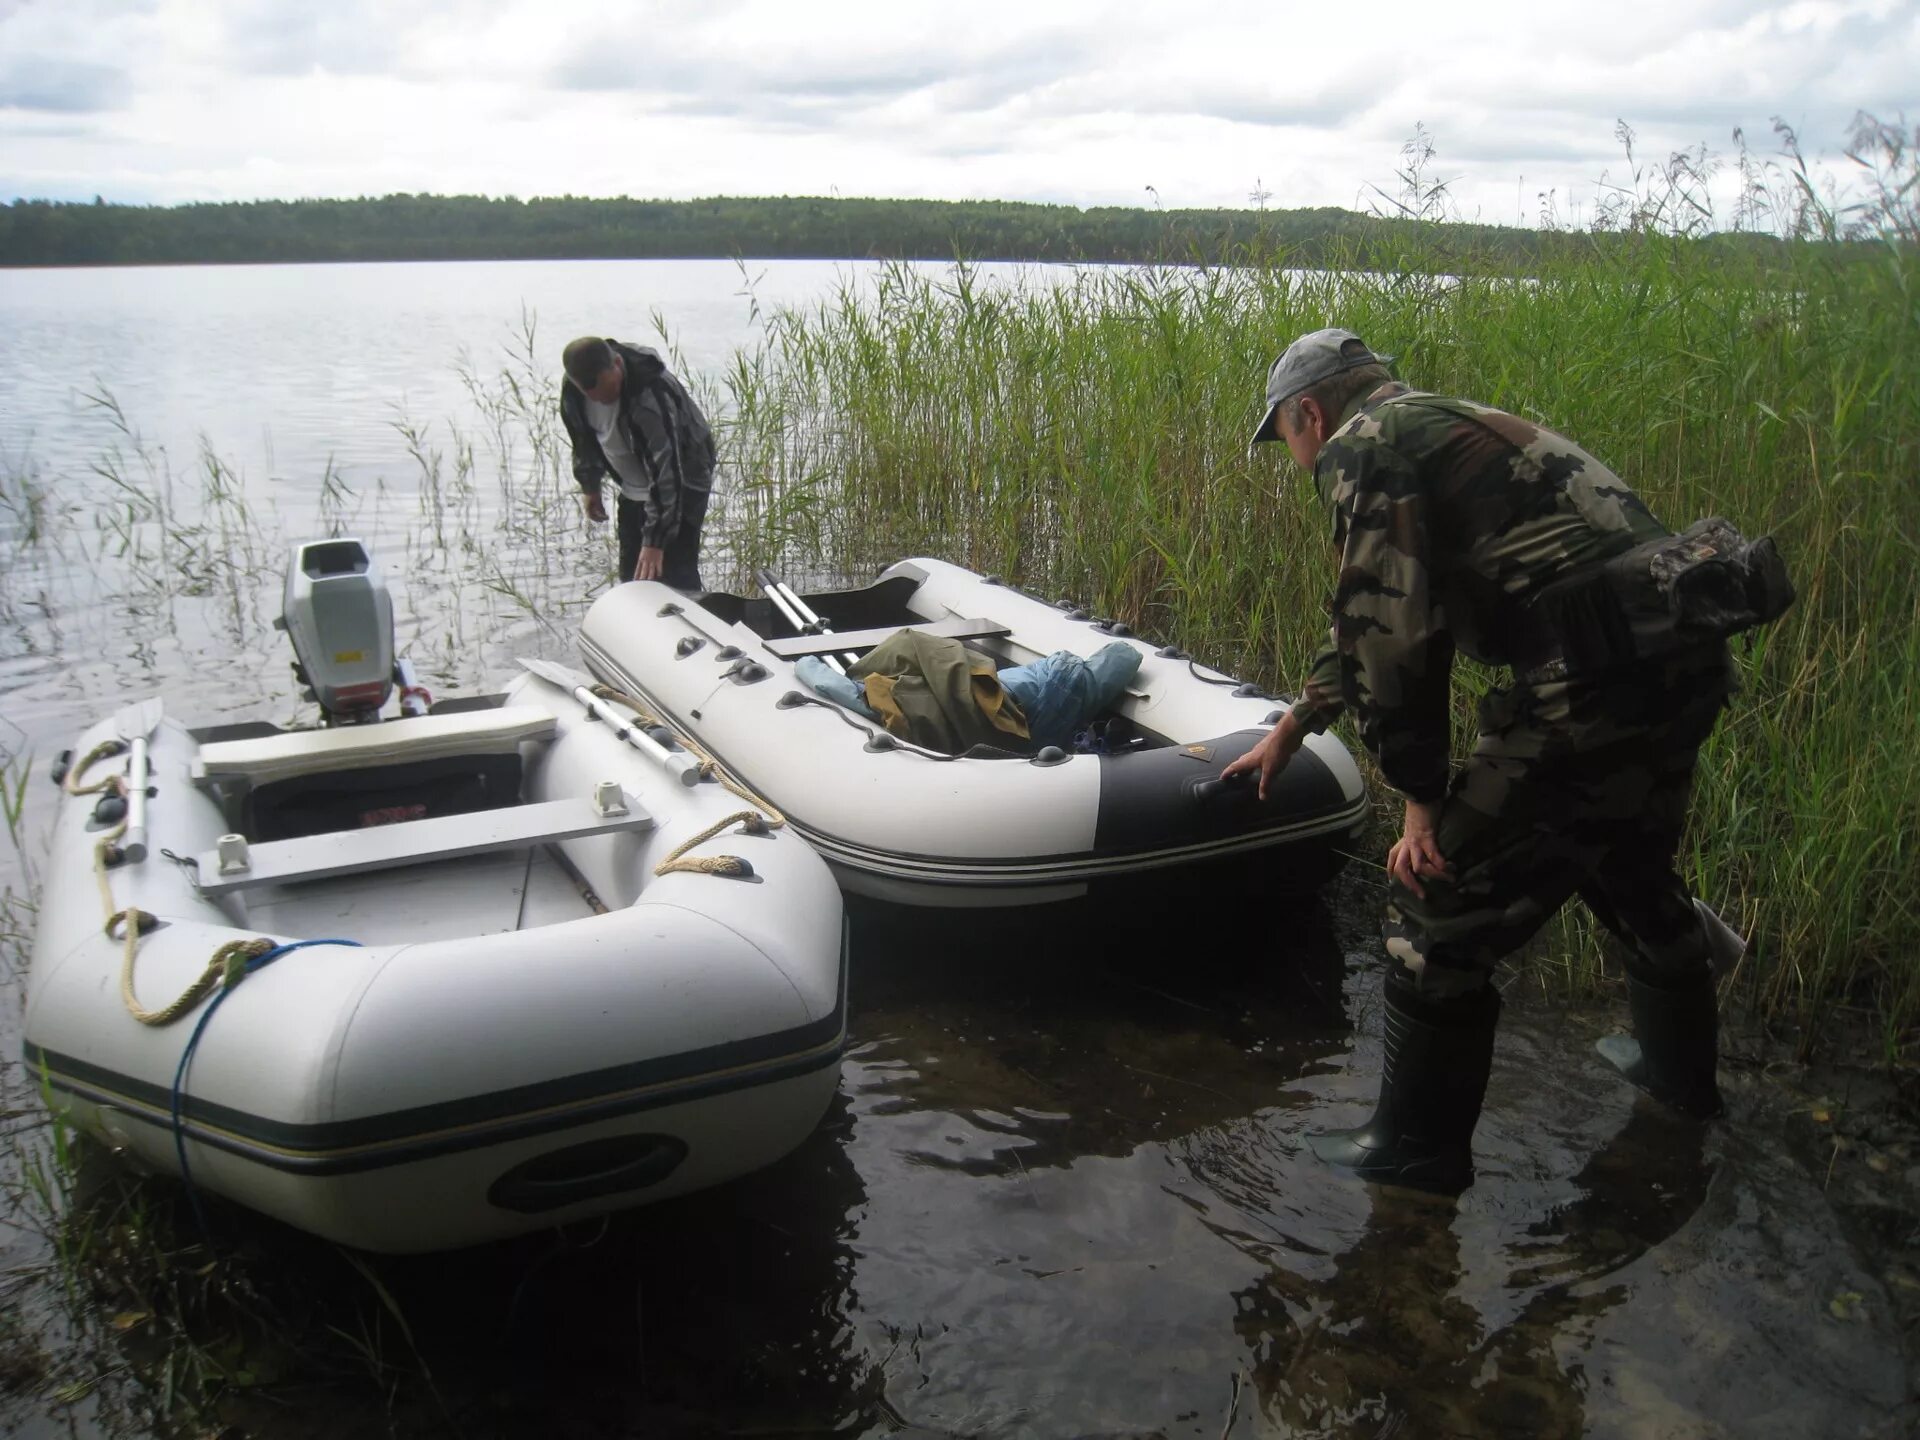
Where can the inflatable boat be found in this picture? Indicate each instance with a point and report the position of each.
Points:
(419, 982)
(995, 825)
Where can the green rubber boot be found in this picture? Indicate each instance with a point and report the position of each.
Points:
(1674, 1049)
(1435, 1079)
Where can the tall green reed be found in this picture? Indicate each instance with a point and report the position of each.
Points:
(1088, 438)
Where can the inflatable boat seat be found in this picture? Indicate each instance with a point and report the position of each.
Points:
(834, 642)
(310, 782)
(294, 753)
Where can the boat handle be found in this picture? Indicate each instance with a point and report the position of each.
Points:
(1207, 789)
(587, 1171)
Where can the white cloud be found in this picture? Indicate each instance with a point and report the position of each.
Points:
(1087, 101)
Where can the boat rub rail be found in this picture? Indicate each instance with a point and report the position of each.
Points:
(373, 1142)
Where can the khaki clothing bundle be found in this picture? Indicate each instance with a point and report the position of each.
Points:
(938, 694)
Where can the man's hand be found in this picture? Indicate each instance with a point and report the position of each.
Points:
(1271, 755)
(595, 508)
(1416, 854)
(653, 559)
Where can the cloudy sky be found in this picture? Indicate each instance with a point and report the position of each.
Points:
(1078, 101)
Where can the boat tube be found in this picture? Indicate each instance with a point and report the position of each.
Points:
(551, 967)
(991, 826)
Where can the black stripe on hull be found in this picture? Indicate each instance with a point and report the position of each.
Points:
(1171, 798)
(403, 1137)
(1325, 834)
(1149, 815)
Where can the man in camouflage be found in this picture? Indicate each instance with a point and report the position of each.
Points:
(1450, 518)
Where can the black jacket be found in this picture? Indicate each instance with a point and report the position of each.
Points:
(670, 437)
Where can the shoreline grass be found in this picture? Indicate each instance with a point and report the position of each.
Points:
(1089, 440)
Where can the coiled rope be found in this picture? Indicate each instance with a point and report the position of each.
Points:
(101, 751)
(763, 818)
(229, 965)
(226, 967)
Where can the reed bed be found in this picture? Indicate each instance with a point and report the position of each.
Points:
(1089, 440)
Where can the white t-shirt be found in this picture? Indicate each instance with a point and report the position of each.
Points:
(616, 445)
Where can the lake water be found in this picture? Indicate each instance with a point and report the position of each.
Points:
(285, 367)
(1068, 1198)
(256, 405)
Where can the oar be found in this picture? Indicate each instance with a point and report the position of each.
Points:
(135, 725)
(682, 766)
(800, 615)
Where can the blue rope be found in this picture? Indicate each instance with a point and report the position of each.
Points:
(186, 1059)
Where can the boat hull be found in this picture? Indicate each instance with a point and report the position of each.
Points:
(494, 1056)
(902, 825)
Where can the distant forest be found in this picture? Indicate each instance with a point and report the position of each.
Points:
(461, 227)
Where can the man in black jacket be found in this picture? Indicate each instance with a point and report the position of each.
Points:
(627, 415)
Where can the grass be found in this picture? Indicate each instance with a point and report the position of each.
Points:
(1088, 440)
(118, 1309)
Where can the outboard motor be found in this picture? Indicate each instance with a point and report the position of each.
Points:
(340, 619)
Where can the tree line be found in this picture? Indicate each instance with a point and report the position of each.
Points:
(471, 227)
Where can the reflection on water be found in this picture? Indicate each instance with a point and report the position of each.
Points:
(1072, 1198)
(1394, 1336)
(291, 370)
(701, 1312)
(1064, 1192)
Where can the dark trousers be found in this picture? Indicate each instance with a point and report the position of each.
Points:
(1568, 792)
(682, 565)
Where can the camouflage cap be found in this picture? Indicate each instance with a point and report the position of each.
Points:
(1305, 363)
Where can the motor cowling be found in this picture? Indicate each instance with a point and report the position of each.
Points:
(339, 617)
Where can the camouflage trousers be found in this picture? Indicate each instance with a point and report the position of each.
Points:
(1572, 787)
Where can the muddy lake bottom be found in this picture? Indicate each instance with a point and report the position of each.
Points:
(1064, 1191)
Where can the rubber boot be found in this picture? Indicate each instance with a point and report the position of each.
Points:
(1674, 1049)
(1435, 1078)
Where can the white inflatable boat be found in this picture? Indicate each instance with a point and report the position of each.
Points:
(990, 826)
(502, 1018)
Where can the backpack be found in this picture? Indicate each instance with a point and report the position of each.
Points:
(1707, 583)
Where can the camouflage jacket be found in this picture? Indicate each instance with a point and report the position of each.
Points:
(670, 437)
(1448, 516)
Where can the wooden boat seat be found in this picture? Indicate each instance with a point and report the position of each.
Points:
(415, 842)
(500, 730)
(793, 647)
